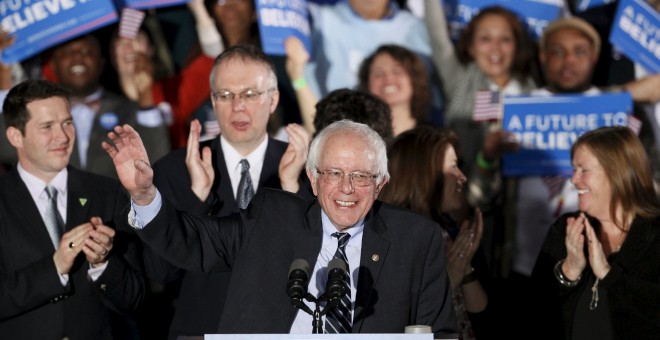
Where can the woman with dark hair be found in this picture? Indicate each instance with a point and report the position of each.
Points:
(397, 75)
(425, 178)
(392, 73)
(493, 54)
(600, 266)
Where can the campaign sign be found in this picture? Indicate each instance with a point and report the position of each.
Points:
(280, 19)
(584, 5)
(536, 14)
(147, 4)
(636, 33)
(325, 2)
(38, 25)
(547, 126)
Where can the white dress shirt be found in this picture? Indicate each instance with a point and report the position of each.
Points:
(233, 159)
(319, 278)
(36, 187)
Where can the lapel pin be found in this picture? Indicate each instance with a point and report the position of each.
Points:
(82, 201)
(375, 257)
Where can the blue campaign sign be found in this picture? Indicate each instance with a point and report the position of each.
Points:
(547, 126)
(38, 25)
(147, 4)
(279, 19)
(536, 14)
(584, 5)
(636, 33)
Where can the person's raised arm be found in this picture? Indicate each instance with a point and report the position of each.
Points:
(5, 69)
(450, 70)
(296, 58)
(132, 163)
(209, 38)
(644, 90)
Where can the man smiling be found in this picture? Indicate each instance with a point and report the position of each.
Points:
(395, 257)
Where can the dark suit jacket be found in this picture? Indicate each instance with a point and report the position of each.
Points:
(33, 302)
(113, 106)
(202, 295)
(114, 110)
(632, 285)
(402, 277)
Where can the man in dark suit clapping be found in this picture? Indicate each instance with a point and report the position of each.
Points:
(244, 95)
(65, 270)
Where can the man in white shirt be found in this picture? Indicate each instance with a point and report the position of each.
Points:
(65, 270)
(395, 258)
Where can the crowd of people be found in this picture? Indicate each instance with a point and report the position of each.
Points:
(136, 191)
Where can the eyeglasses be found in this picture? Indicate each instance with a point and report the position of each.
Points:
(249, 95)
(334, 177)
(578, 52)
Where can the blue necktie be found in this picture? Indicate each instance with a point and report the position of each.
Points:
(338, 319)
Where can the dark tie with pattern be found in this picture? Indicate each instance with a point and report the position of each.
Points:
(338, 319)
(53, 219)
(245, 189)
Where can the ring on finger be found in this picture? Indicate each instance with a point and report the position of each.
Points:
(104, 252)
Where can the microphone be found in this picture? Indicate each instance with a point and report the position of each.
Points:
(298, 280)
(337, 285)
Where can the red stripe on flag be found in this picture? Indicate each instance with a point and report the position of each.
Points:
(634, 124)
(130, 22)
(486, 106)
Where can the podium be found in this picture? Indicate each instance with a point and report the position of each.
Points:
(352, 336)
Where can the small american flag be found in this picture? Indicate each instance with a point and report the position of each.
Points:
(634, 124)
(486, 106)
(131, 20)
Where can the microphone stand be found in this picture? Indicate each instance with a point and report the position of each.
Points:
(317, 325)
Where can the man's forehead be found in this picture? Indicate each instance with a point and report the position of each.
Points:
(569, 36)
(344, 144)
(239, 73)
(242, 63)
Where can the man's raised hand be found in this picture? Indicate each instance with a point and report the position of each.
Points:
(132, 163)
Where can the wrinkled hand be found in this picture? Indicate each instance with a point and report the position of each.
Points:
(200, 168)
(575, 261)
(296, 58)
(99, 243)
(71, 244)
(461, 250)
(597, 258)
(132, 163)
(294, 158)
(496, 143)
